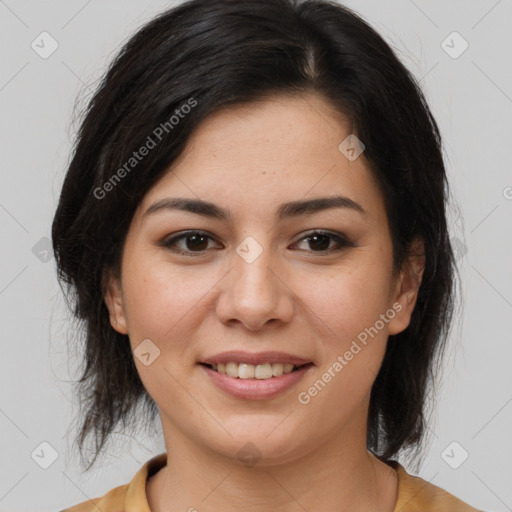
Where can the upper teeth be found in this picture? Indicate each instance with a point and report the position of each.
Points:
(251, 371)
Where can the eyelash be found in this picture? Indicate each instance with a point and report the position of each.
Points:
(342, 241)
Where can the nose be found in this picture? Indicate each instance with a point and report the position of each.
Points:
(255, 293)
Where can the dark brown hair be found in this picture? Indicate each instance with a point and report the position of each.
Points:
(217, 53)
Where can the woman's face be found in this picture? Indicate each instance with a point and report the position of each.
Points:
(258, 280)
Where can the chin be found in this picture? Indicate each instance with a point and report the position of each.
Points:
(260, 446)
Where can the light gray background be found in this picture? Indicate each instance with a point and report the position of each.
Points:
(471, 97)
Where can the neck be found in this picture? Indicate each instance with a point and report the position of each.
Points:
(337, 475)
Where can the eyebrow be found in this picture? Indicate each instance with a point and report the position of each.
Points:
(290, 209)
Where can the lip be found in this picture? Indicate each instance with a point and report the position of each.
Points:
(238, 356)
(256, 389)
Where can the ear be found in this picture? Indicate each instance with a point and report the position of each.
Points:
(115, 304)
(407, 287)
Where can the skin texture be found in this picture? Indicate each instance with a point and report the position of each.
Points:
(292, 298)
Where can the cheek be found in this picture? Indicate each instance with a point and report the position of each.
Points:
(346, 310)
(161, 300)
(164, 305)
(351, 312)
(348, 300)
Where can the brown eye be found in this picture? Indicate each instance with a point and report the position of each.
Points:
(320, 241)
(195, 241)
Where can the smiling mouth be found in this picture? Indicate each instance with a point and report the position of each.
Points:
(250, 371)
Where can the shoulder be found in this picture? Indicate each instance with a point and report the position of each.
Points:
(112, 501)
(130, 496)
(416, 494)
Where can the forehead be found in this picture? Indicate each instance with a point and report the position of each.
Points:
(264, 153)
(286, 126)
